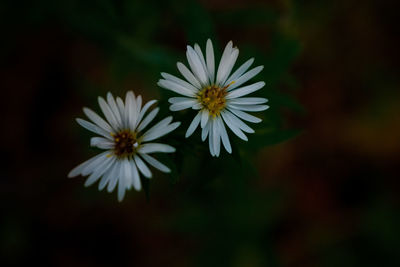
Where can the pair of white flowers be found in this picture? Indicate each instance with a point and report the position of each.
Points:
(216, 95)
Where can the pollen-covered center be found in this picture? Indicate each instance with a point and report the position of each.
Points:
(125, 143)
(213, 99)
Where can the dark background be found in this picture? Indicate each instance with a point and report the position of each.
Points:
(326, 196)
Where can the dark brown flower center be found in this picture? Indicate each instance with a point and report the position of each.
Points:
(125, 143)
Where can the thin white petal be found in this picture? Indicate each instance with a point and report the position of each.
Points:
(203, 62)
(100, 170)
(205, 131)
(183, 105)
(227, 68)
(238, 122)
(156, 147)
(210, 60)
(188, 75)
(224, 135)
(149, 118)
(245, 90)
(121, 109)
(101, 142)
(113, 105)
(204, 117)
(196, 65)
(108, 113)
(242, 69)
(100, 160)
(136, 178)
(111, 177)
(78, 169)
(211, 139)
(142, 166)
(193, 125)
(179, 81)
(245, 77)
(93, 128)
(155, 163)
(224, 59)
(253, 108)
(248, 101)
(234, 128)
(216, 137)
(96, 119)
(143, 111)
(175, 87)
(160, 132)
(122, 182)
(245, 116)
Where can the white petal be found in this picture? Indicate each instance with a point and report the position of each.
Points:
(188, 75)
(224, 135)
(223, 63)
(174, 100)
(122, 182)
(196, 66)
(193, 125)
(239, 123)
(245, 116)
(96, 119)
(211, 139)
(108, 113)
(239, 71)
(253, 108)
(160, 132)
(78, 169)
(100, 170)
(234, 128)
(248, 101)
(101, 142)
(203, 62)
(111, 177)
(155, 163)
(197, 106)
(93, 128)
(183, 105)
(205, 131)
(204, 117)
(245, 90)
(142, 166)
(121, 109)
(227, 68)
(156, 147)
(113, 105)
(149, 118)
(131, 109)
(143, 111)
(136, 178)
(210, 60)
(179, 81)
(159, 125)
(216, 137)
(175, 87)
(245, 77)
(92, 166)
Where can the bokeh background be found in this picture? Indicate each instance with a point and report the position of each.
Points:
(315, 186)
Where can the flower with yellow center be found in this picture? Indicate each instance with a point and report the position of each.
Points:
(127, 146)
(218, 97)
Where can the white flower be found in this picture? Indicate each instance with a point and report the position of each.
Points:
(218, 98)
(127, 148)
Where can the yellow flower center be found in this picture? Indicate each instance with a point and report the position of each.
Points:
(213, 99)
(125, 143)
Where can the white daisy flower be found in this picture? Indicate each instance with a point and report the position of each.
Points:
(218, 97)
(127, 147)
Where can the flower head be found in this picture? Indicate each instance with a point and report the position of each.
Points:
(127, 147)
(217, 97)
